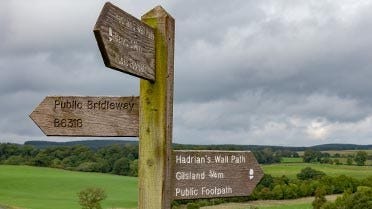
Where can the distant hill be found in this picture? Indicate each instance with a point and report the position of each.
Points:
(96, 144)
(324, 147)
(93, 144)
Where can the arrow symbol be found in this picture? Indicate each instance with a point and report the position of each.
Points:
(110, 34)
(123, 35)
(251, 172)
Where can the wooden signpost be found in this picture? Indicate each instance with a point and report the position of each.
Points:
(126, 43)
(208, 174)
(156, 117)
(145, 48)
(87, 116)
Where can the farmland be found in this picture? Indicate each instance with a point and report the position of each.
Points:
(45, 188)
(341, 152)
(291, 169)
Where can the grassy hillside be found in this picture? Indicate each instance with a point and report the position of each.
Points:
(291, 169)
(46, 188)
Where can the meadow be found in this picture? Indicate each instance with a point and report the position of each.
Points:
(341, 152)
(291, 169)
(46, 188)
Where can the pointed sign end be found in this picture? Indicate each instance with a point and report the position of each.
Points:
(156, 12)
(34, 119)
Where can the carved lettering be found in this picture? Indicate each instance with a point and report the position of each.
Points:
(208, 174)
(88, 116)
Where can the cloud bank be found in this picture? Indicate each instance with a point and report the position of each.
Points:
(246, 72)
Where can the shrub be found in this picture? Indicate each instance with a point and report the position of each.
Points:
(362, 199)
(309, 173)
(319, 198)
(91, 198)
(15, 160)
(193, 206)
(360, 158)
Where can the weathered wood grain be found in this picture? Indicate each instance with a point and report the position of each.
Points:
(208, 174)
(88, 116)
(126, 43)
(156, 118)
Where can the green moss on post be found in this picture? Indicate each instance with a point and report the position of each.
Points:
(156, 117)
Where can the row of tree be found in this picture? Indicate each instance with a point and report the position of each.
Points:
(313, 156)
(116, 159)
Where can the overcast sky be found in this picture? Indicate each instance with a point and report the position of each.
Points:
(272, 72)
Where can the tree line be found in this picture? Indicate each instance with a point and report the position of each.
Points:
(115, 159)
(314, 156)
(120, 159)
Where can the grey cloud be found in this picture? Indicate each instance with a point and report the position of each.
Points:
(246, 72)
(301, 55)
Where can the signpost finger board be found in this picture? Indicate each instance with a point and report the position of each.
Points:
(209, 174)
(126, 43)
(87, 116)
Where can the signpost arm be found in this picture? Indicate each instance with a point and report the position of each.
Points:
(156, 117)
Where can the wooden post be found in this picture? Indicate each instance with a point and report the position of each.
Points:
(156, 117)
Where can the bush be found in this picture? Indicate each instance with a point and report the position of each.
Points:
(320, 199)
(15, 160)
(87, 167)
(193, 206)
(362, 199)
(360, 158)
(309, 173)
(91, 198)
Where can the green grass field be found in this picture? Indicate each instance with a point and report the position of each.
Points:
(342, 159)
(291, 160)
(341, 152)
(291, 169)
(46, 188)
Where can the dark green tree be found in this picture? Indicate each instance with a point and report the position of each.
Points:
(360, 158)
(349, 161)
(122, 167)
(311, 156)
(134, 168)
(309, 173)
(320, 199)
